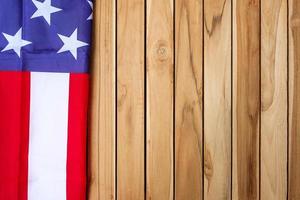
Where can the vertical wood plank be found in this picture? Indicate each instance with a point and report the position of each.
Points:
(273, 99)
(294, 99)
(217, 99)
(160, 99)
(101, 148)
(130, 99)
(188, 99)
(246, 98)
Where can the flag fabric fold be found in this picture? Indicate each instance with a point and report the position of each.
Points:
(44, 55)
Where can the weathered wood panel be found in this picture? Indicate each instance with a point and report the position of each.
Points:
(294, 100)
(273, 99)
(101, 142)
(188, 99)
(217, 99)
(160, 71)
(246, 98)
(130, 99)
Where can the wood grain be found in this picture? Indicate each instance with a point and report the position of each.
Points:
(294, 100)
(246, 98)
(188, 100)
(228, 83)
(101, 142)
(273, 99)
(160, 71)
(217, 99)
(130, 99)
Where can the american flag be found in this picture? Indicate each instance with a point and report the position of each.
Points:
(44, 55)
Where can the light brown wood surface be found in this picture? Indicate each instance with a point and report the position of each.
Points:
(246, 99)
(217, 99)
(160, 70)
(294, 100)
(130, 99)
(194, 100)
(101, 142)
(273, 99)
(188, 100)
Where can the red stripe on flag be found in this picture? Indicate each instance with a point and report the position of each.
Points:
(14, 128)
(25, 115)
(77, 128)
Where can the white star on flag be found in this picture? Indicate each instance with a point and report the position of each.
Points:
(44, 9)
(15, 42)
(91, 16)
(71, 44)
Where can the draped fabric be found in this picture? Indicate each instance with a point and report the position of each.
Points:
(44, 56)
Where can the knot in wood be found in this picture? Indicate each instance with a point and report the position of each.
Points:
(253, 3)
(161, 51)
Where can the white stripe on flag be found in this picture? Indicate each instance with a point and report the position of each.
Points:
(48, 135)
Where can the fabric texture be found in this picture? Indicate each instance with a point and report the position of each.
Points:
(44, 56)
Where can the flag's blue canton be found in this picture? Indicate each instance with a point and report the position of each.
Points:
(45, 35)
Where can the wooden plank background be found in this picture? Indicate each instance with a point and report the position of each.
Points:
(195, 100)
